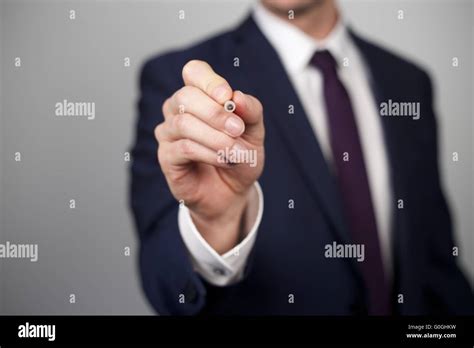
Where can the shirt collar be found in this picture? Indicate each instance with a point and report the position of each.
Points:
(294, 47)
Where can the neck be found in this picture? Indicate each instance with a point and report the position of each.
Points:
(317, 21)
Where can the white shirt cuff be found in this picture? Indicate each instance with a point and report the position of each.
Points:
(218, 269)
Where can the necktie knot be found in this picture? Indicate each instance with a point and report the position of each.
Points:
(324, 61)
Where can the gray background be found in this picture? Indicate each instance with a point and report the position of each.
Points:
(81, 250)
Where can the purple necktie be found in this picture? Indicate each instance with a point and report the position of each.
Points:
(353, 185)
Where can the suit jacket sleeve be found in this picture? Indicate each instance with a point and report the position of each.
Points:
(167, 275)
(447, 289)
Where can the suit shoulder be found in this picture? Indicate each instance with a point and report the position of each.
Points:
(405, 69)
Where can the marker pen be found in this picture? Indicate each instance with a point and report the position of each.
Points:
(229, 106)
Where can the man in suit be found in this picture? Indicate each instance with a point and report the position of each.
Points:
(355, 221)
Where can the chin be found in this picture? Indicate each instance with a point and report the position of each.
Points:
(295, 5)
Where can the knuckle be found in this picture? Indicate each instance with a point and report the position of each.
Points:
(165, 106)
(159, 131)
(211, 83)
(214, 82)
(186, 147)
(182, 95)
(161, 154)
(179, 122)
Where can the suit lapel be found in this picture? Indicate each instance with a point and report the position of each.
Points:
(383, 88)
(271, 85)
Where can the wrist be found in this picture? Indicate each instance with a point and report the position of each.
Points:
(223, 230)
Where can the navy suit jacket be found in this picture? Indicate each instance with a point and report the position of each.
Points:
(288, 255)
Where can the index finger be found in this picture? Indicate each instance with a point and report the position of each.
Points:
(199, 74)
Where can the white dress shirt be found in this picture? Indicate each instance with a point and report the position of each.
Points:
(295, 50)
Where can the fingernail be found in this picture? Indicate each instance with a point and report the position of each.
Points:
(220, 93)
(234, 126)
